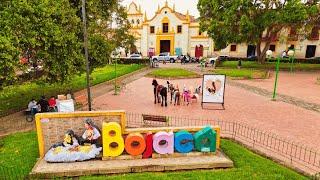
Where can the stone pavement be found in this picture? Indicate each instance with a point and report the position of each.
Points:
(286, 120)
(300, 85)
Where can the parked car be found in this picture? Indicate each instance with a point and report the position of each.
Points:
(135, 56)
(165, 57)
(214, 59)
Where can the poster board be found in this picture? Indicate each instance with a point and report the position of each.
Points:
(65, 105)
(213, 88)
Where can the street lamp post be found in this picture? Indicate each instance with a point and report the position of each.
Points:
(269, 55)
(291, 58)
(115, 79)
(85, 43)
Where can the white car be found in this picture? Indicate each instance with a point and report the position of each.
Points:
(214, 59)
(165, 57)
(135, 56)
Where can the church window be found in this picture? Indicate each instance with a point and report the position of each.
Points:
(200, 33)
(151, 29)
(165, 27)
(272, 47)
(132, 21)
(138, 21)
(233, 47)
(179, 29)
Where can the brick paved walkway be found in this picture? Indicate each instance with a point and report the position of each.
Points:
(286, 120)
(298, 88)
(300, 85)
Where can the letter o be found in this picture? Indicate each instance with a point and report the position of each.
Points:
(135, 144)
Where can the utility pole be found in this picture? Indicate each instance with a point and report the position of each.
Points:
(85, 43)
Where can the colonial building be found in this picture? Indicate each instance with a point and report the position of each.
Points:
(178, 33)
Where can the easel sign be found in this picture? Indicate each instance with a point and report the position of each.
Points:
(213, 87)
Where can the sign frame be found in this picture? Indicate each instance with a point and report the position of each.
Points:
(223, 94)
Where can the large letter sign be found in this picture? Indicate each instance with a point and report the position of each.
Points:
(113, 144)
(163, 142)
(135, 144)
(144, 144)
(183, 142)
(205, 140)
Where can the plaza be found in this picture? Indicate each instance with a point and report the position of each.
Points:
(166, 89)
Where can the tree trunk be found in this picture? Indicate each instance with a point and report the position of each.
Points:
(261, 53)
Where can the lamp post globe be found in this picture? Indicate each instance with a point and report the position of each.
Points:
(291, 58)
(269, 53)
(291, 53)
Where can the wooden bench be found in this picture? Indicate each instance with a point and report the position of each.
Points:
(154, 118)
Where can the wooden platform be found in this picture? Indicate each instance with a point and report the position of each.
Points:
(42, 169)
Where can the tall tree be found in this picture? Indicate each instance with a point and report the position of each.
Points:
(256, 22)
(51, 32)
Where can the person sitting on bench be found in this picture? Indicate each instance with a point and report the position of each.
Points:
(33, 107)
(52, 104)
(44, 105)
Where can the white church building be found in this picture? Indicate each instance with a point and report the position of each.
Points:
(178, 33)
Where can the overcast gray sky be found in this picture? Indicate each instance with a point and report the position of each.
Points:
(152, 5)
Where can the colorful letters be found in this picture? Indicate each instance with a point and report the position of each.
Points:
(163, 142)
(135, 144)
(205, 140)
(183, 141)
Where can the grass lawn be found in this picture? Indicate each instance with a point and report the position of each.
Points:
(19, 152)
(16, 97)
(243, 73)
(172, 73)
(271, 65)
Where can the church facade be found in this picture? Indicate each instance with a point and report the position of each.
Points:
(178, 33)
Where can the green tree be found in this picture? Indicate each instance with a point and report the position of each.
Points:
(253, 21)
(50, 32)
